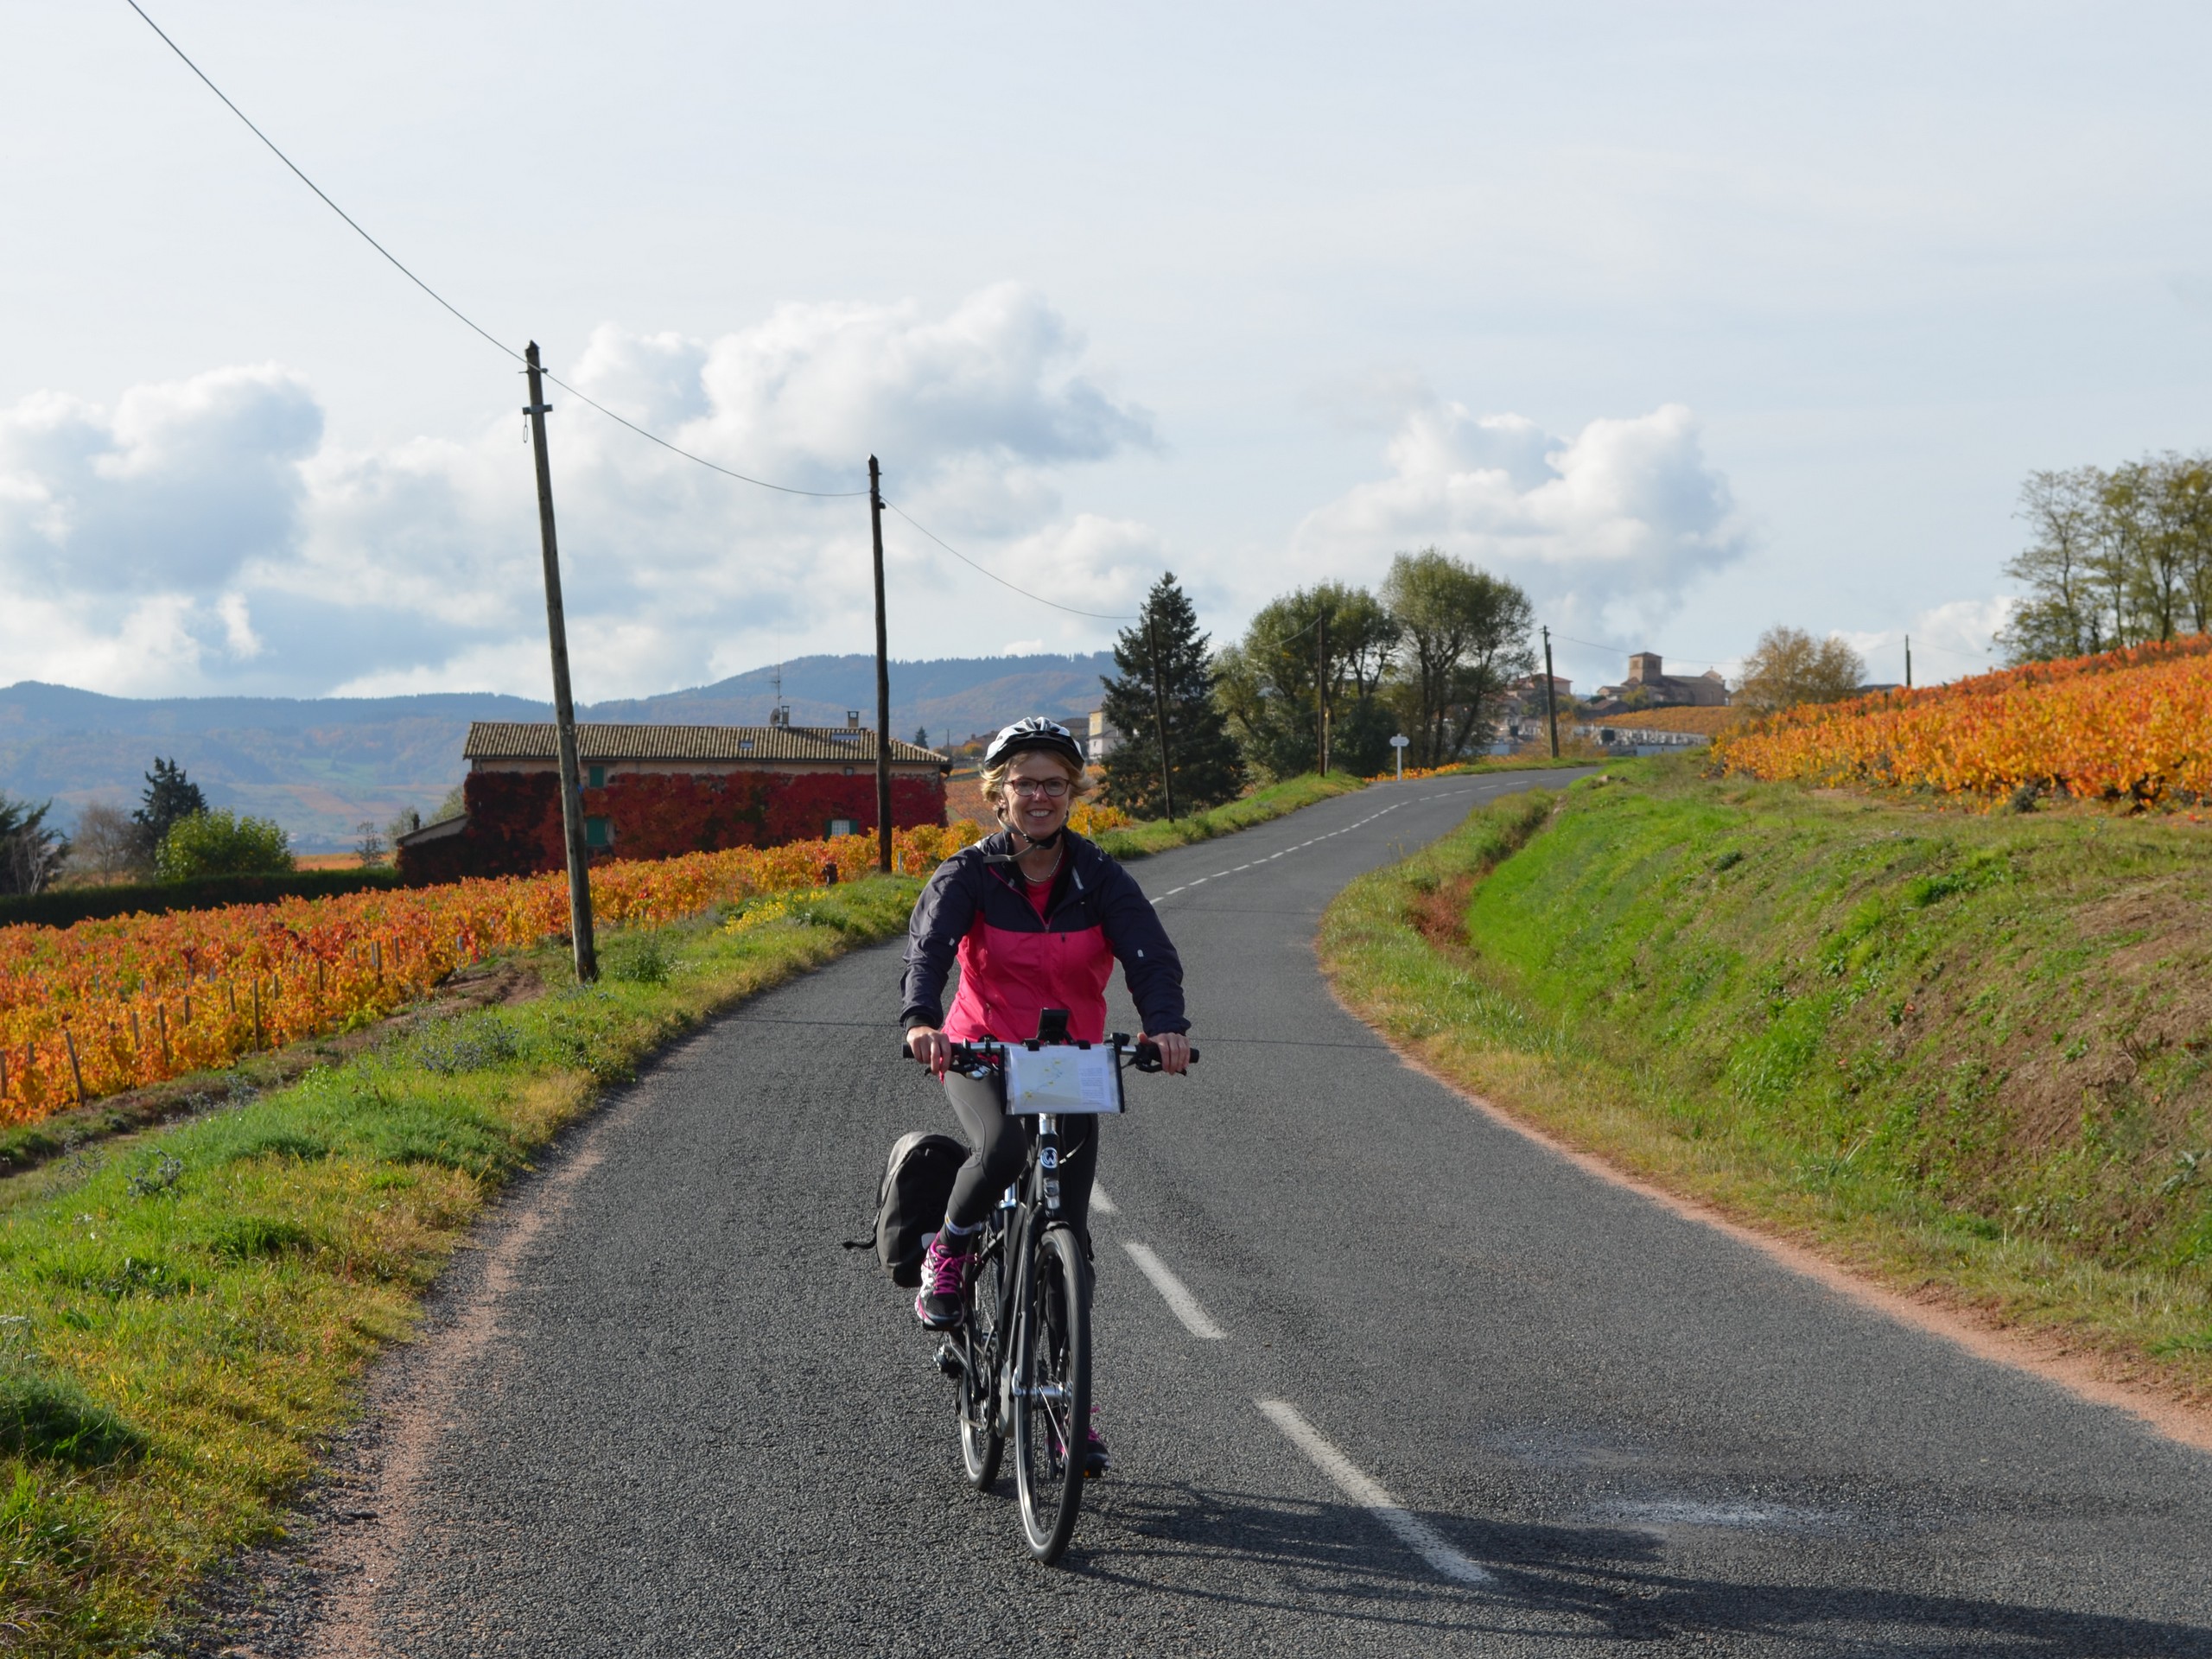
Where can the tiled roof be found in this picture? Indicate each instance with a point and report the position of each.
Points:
(506, 740)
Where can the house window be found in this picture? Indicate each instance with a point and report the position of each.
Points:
(599, 832)
(594, 777)
(843, 827)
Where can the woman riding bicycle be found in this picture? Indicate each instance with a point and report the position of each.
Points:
(1037, 917)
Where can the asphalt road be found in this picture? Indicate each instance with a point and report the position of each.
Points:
(1453, 1396)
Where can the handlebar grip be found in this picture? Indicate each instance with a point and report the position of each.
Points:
(1147, 1056)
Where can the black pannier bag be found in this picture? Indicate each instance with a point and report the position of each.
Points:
(909, 1205)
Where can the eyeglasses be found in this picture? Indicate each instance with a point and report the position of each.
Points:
(1051, 788)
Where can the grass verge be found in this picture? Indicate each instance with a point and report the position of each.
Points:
(1159, 835)
(182, 1320)
(1971, 1057)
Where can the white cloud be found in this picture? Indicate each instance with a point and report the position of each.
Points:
(201, 535)
(1606, 528)
(1948, 640)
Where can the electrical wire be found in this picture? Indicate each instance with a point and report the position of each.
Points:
(1594, 645)
(1953, 651)
(463, 317)
(1102, 616)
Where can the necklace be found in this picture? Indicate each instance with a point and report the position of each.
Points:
(1039, 880)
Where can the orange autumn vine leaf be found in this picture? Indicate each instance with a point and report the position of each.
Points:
(2133, 725)
(114, 1004)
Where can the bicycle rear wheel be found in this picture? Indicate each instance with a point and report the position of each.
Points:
(1051, 1415)
(983, 1436)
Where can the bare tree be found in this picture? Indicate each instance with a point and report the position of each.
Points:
(2061, 617)
(1788, 667)
(2119, 556)
(106, 843)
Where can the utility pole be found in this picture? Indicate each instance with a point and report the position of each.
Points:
(1159, 712)
(1321, 690)
(1908, 662)
(1551, 702)
(564, 707)
(882, 680)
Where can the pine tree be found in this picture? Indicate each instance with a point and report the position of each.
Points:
(169, 795)
(1205, 769)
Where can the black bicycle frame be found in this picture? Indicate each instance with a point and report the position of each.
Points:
(1034, 1202)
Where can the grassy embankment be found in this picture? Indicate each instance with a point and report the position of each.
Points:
(183, 1314)
(1969, 1055)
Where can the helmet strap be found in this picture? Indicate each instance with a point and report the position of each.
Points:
(1040, 844)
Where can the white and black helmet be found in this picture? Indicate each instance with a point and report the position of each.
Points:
(1034, 733)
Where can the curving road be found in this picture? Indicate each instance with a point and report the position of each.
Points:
(1382, 1377)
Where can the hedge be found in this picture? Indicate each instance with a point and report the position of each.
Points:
(59, 906)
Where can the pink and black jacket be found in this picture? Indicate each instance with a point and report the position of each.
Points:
(1014, 962)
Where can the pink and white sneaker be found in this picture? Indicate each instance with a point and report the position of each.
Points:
(944, 1293)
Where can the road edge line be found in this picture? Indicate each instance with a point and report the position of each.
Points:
(2004, 1346)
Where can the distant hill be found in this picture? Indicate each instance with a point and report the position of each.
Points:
(319, 765)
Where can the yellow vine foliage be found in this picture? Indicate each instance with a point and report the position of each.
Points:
(1090, 817)
(2133, 725)
(104, 1006)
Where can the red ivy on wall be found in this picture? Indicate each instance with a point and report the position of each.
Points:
(514, 817)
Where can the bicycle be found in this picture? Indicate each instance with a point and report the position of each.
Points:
(1022, 1350)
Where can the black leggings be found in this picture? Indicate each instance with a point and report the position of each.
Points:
(999, 1146)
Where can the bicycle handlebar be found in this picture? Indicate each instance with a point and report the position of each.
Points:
(1145, 1056)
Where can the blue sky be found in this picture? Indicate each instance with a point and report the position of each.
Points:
(1693, 319)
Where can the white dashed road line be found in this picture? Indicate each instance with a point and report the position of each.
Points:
(1415, 1533)
(1200, 881)
(1174, 1292)
(1350, 1480)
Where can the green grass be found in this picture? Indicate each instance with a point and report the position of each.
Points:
(1159, 835)
(1968, 1052)
(183, 1315)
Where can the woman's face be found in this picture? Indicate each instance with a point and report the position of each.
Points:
(1037, 795)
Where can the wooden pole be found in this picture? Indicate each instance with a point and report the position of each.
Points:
(75, 1071)
(882, 679)
(564, 707)
(1551, 703)
(1159, 712)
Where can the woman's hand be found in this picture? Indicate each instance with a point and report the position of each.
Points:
(930, 1045)
(1174, 1051)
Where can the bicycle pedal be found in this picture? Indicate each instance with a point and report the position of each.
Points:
(946, 1360)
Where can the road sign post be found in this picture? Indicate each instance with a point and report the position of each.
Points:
(1398, 745)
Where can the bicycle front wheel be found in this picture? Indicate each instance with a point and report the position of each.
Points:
(1051, 1405)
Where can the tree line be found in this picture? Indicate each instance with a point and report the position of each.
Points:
(1429, 654)
(2119, 556)
(172, 835)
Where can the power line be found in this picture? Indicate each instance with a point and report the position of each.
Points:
(1666, 655)
(463, 317)
(1953, 651)
(1102, 616)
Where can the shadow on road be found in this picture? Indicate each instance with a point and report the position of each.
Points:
(1334, 1561)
